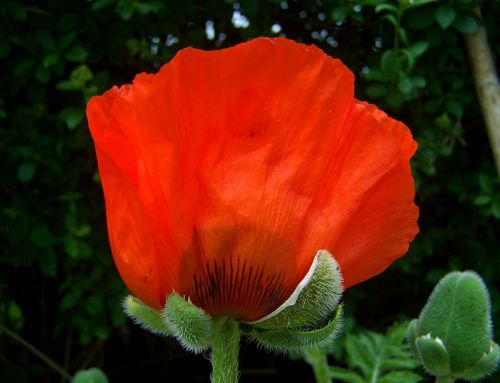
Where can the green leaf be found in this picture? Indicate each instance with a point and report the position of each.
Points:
(443, 121)
(419, 48)
(66, 85)
(388, 63)
(92, 375)
(495, 209)
(48, 262)
(46, 40)
(145, 8)
(445, 15)
(14, 313)
(386, 7)
(400, 376)
(42, 74)
(482, 200)
(94, 304)
(4, 49)
(454, 107)
(51, 59)
(420, 19)
(391, 19)
(340, 13)
(125, 10)
(76, 53)
(345, 375)
(418, 81)
(405, 85)
(26, 171)
(71, 247)
(417, 3)
(359, 355)
(99, 4)
(376, 90)
(72, 116)
(68, 21)
(465, 24)
(70, 299)
(42, 236)
(376, 355)
(374, 74)
(67, 39)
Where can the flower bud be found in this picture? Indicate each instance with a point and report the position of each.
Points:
(453, 335)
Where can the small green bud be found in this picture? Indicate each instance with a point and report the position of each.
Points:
(191, 326)
(145, 316)
(453, 334)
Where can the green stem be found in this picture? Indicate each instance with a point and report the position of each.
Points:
(319, 364)
(225, 349)
(444, 379)
(35, 351)
(397, 28)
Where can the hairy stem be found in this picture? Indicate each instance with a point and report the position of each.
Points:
(225, 350)
(35, 351)
(319, 364)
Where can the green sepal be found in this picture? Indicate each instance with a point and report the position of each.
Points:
(191, 325)
(292, 340)
(412, 336)
(486, 365)
(318, 296)
(145, 316)
(433, 355)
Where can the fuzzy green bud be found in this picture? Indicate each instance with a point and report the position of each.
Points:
(453, 335)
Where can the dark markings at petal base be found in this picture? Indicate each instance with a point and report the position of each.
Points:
(230, 285)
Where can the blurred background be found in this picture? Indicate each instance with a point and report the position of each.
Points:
(59, 289)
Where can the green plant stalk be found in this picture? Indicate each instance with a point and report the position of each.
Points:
(225, 350)
(36, 351)
(397, 28)
(319, 363)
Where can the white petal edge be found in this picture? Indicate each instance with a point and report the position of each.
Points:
(295, 295)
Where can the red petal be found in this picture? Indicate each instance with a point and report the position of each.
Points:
(365, 215)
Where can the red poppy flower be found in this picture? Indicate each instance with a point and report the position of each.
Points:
(226, 171)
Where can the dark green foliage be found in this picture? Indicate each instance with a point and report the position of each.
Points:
(378, 358)
(58, 285)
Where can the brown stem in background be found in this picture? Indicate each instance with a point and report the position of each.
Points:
(487, 86)
(35, 351)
